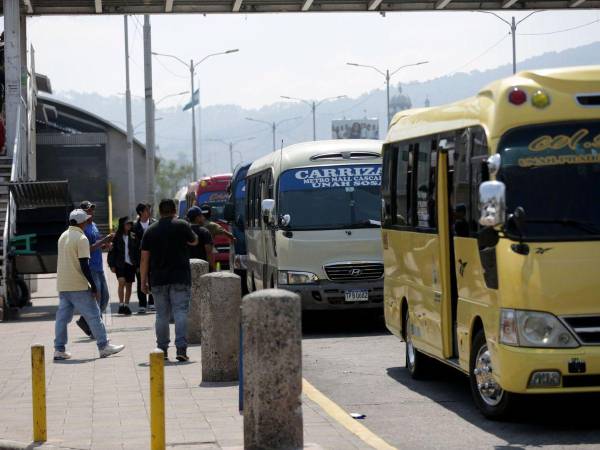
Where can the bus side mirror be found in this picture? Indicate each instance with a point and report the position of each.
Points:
(268, 207)
(492, 203)
(229, 212)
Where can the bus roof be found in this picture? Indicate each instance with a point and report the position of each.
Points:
(491, 109)
(299, 155)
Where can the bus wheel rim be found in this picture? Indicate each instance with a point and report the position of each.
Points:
(410, 349)
(489, 390)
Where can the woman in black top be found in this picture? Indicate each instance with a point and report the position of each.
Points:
(123, 261)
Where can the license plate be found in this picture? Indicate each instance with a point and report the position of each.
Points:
(357, 296)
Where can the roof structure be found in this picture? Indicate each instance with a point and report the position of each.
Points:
(72, 7)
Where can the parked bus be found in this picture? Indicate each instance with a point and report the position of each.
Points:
(186, 198)
(212, 190)
(235, 215)
(312, 223)
(491, 236)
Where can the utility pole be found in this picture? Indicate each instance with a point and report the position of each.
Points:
(273, 126)
(230, 145)
(130, 167)
(513, 32)
(387, 87)
(313, 107)
(150, 111)
(194, 160)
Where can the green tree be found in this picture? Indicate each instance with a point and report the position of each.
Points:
(170, 177)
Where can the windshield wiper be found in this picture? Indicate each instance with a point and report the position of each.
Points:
(589, 227)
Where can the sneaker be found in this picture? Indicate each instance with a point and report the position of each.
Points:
(121, 309)
(141, 310)
(182, 355)
(81, 323)
(110, 349)
(126, 310)
(61, 356)
(151, 308)
(166, 352)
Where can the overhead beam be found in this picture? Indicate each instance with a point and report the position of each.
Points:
(29, 6)
(307, 4)
(374, 4)
(169, 6)
(98, 6)
(237, 5)
(576, 3)
(508, 3)
(441, 4)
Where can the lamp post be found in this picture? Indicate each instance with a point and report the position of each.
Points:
(230, 145)
(513, 24)
(387, 74)
(192, 68)
(313, 106)
(273, 126)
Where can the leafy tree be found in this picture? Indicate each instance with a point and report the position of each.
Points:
(170, 177)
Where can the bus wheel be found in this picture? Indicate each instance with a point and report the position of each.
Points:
(416, 362)
(490, 398)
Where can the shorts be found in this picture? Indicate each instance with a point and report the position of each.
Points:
(127, 272)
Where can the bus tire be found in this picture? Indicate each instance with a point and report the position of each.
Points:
(493, 402)
(416, 362)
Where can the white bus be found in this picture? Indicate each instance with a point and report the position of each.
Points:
(313, 223)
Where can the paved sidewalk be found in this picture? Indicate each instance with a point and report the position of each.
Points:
(104, 403)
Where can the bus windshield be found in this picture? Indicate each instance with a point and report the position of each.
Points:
(331, 197)
(553, 173)
(216, 200)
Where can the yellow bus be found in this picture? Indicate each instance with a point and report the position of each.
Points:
(491, 236)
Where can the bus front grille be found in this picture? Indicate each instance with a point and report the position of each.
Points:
(359, 271)
(587, 328)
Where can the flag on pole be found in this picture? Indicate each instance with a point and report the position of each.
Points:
(194, 102)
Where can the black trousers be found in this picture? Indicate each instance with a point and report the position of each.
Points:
(143, 299)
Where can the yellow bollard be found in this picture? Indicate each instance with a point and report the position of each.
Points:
(38, 392)
(157, 399)
(218, 268)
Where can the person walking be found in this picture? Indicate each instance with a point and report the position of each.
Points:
(165, 265)
(204, 249)
(145, 219)
(77, 289)
(97, 244)
(123, 261)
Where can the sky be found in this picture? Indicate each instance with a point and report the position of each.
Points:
(299, 55)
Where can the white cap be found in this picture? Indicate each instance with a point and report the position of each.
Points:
(79, 216)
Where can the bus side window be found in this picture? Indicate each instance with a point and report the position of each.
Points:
(462, 190)
(479, 173)
(403, 184)
(387, 186)
(426, 184)
(249, 199)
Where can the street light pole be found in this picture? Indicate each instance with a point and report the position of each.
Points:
(230, 145)
(150, 111)
(130, 167)
(387, 75)
(274, 126)
(313, 107)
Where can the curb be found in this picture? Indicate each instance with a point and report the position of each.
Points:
(6, 444)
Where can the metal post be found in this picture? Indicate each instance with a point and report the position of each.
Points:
(38, 392)
(12, 67)
(314, 113)
(157, 400)
(274, 138)
(513, 32)
(387, 84)
(201, 173)
(194, 162)
(130, 167)
(150, 109)
(231, 156)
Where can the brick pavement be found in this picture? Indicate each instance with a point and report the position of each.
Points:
(104, 403)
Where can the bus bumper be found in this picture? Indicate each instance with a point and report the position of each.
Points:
(579, 369)
(328, 295)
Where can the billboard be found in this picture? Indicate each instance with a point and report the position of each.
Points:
(355, 129)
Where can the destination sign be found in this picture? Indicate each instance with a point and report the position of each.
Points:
(348, 176)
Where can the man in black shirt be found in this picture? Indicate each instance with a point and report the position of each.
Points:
(204, 249)
(165, 265)
(144, 221)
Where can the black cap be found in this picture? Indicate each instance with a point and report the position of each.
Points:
(86, 204)
(205, 209)
(193, 212)
(124, 220)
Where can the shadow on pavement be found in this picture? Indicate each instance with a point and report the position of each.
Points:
(35, 313)
(539, 420)
(327, 324)
(75, 361)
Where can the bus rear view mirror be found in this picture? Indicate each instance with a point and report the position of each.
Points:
(229, 212)
(492, 203)
(268, 207)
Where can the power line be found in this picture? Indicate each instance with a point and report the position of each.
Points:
(487, 50)
(564, 30)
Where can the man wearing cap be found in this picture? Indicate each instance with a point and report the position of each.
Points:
(77, 289)
(214, 228)
(144, 212)
(96, 267)
(165, 266)
(204, 249)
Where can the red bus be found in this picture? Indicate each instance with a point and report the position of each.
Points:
(212, 190)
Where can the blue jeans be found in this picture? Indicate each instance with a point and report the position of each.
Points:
(84, 302)
(102, 287)
(171, 298)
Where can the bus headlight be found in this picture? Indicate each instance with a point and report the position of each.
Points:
(291, 277)
(534, 329)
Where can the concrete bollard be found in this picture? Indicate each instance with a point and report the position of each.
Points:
(272, 335)
(220, 316)
(199, 268)
(38, 392)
